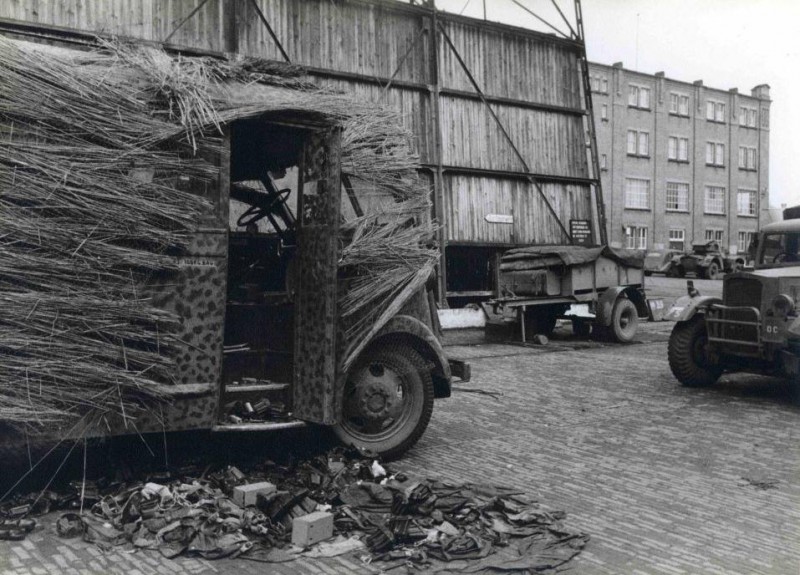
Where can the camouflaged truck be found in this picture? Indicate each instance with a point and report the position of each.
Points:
(755, 327)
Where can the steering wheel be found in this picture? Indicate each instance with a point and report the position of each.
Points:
(257, 213)
(784, 257)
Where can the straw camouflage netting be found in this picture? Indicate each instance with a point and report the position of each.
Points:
(80, 231)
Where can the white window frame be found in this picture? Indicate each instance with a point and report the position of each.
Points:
(638, 143)
(679, 104)
(680, 190)
(715, 111)
(715, 154)
(714, 235)
(604, 112)
(676, 235)
(748, 158)
(748, 117)
(678, 149)
(751, 205)
(639, 96)
(712, 204)
(637, 194)
(636, 237)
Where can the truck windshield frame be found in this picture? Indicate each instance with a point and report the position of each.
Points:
(779, 249)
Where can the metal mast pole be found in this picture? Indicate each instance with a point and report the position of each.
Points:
(590, 127)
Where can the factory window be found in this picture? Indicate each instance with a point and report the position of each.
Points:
(745, 239)
(747, 158)
(679, 104)
(637, 194)
(639, 97)
(636, 237)
(715, 200)
(678, 149)
(677, 239)
(599, 84)
(746, 203)
(747, 117)
(677, 197)
(604, 112)
(714, 235)
(603, 162)
(715, 111)
(638, 144)
(715, 154)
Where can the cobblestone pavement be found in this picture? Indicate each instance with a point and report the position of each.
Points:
(664, 478)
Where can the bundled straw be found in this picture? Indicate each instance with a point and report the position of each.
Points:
(91, 148)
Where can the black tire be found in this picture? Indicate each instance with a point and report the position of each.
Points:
(712, 271)
(676, 272)
(686, 354)
(372, 417)
(624, 321)
(539, 321)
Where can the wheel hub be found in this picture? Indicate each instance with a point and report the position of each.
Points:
(376, 394)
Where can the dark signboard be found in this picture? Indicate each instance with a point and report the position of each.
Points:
(581, 232)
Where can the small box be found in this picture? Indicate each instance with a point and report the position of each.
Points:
(312, 528)
(246, 495)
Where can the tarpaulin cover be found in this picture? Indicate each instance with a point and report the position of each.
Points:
(574, 255)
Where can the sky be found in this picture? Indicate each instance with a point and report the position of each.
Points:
(725, 43)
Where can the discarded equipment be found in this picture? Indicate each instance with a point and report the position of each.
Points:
(541, 283)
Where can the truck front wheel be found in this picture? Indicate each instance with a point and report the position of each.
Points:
(387, 401)
(688, 360)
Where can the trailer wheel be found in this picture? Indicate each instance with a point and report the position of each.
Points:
(387, 401)
(687, 354)
(624, 321)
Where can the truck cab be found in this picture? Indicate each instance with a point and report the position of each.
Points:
(755, 327)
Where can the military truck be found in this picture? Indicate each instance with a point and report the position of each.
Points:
(705, 261)
(755, 327)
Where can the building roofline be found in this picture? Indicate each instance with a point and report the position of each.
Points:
(663, 76)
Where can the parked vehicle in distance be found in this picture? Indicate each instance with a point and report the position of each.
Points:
(755, 327)
(540, 283)
(706, 261)
(659, 262)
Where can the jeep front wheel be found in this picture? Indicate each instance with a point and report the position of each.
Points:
(387, 401)
(687, 353)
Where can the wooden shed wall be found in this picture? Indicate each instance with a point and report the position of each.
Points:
(532, 81)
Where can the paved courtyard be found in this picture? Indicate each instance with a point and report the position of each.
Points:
(665, 479)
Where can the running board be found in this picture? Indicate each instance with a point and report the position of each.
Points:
(259, 426)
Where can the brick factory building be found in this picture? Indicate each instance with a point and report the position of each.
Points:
(680, 162)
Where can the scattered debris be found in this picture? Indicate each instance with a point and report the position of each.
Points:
(375, 513)
(762, 484)
(311, 529)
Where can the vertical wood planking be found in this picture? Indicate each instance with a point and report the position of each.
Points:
(551, 143)
(370, 40)
(511, 64)
(469, 199)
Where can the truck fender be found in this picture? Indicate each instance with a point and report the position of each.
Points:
(686, 307)
(605, 304)
(421, 338)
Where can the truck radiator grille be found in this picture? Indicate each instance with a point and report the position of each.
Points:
(742, 291)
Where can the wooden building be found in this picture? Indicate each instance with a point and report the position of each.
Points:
(498, 112)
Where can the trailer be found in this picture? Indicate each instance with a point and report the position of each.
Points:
(538, 285)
